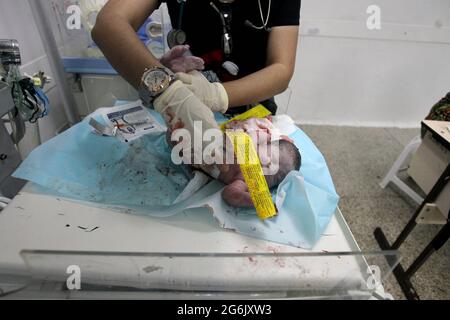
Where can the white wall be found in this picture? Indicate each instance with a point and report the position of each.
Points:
(16, 22)
(349, 75)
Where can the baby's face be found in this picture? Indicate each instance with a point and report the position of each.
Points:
(265, 138)
(271, 160)
(269, 157)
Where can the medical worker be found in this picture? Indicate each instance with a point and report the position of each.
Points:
(247, 49)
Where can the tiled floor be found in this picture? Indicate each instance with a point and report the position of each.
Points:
(358, 159)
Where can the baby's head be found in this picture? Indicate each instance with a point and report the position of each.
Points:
(284, 158)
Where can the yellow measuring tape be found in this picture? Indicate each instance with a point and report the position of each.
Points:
(252, 172)
(256, 112)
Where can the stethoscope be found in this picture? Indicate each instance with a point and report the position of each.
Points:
(178, 36)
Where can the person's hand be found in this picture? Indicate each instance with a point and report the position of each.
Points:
(181, 109)
(213, 95)
(177, 60)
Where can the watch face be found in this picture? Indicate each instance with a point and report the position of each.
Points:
(156, 80)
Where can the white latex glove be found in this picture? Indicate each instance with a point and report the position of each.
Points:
(178, 59)
(213, 95)
(180, 108)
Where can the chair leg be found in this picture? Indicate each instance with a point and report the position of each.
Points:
(406, 189)
(391, 176)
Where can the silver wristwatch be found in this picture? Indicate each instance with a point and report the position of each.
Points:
(154, 82)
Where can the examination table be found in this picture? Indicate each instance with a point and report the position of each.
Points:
(183, 256)
(45, 238)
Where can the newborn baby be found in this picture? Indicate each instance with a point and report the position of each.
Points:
(279, 158)
(277, 154)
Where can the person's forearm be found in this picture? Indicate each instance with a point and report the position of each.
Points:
(258, 86)
(273, 79)
(124, 50)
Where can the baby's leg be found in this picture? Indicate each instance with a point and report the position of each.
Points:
(236, 194)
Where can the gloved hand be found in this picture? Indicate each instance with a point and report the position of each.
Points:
(213, 95)
(178, 60)
(180, 108)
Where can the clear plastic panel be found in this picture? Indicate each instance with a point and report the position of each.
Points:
(325, 275)
(72, 22)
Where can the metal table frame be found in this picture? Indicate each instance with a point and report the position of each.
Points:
(404, 276)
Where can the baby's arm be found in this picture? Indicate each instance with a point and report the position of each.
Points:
(178, 59)
(236, 194)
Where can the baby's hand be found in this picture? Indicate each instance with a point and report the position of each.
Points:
(236, 195)
(177, 60)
